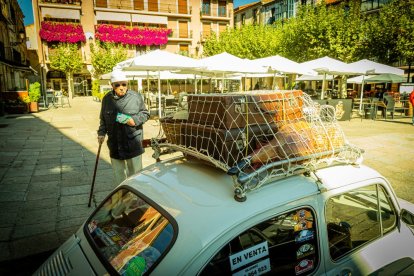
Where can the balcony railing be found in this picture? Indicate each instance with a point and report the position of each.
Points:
(141, 6)
(65, 2)
(216, 12)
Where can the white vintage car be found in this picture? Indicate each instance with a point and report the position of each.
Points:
(179, 217)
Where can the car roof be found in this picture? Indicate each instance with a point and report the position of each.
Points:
(339, 176)
(192, 188)
(200, 197)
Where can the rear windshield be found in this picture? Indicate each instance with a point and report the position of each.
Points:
(130, 233)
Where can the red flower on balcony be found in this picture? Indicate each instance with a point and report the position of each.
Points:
(132, 36)
(61, 32)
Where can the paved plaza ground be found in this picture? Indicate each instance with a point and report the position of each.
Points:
(47, 161)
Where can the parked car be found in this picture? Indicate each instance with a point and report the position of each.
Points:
(178, 217)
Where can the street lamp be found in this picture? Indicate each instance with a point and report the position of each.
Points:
(21, 39)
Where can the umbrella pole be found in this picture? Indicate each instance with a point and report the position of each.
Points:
(195, 84)
(201, 85)
(159, 94)
(323, 86)
(148, 92)
(222, 84)
(362, 94)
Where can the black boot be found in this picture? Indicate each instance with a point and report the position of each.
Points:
(239, 166)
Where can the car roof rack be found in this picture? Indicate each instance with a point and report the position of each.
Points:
(256, 137)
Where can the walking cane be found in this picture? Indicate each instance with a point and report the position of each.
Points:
(94, 174)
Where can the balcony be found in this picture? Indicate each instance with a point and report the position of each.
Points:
(148, 6)
(215, 13)
(61, 2)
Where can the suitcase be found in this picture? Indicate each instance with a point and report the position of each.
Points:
(287, 104)
(226, 146)
(230, 111)
(172, 129)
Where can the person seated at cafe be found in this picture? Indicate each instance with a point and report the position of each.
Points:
(379, 93)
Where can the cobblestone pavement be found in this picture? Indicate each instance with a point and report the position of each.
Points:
(47, 161)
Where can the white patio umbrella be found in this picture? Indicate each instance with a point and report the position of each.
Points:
(314, 78)
(327, 65)
(379, 68)
(164, 75)
(226, 64)
(358, 80)
(283, 65)
(158, 61)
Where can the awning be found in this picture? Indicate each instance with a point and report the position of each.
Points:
(151, 19)
(113, 16)
(61, 13)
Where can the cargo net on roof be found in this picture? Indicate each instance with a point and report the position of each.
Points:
(256, 136)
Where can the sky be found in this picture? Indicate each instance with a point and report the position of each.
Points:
(26, 6)
(242, 2)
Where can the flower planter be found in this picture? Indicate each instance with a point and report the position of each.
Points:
(34, 107)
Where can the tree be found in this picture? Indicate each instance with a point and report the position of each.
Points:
(251, 41)
(105, 56)
(405, 31)
(66, 58)
(320, 30)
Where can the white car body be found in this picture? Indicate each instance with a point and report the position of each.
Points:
(199, 198)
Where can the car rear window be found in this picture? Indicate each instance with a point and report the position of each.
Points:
(129, 233)
(286, 244)
(357, 217)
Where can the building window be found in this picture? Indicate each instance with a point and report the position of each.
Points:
(153, 5)
(254, 16)
(368, 5)
(243, 18)
(222, 12)
(183, 29)
(222, 28)
(139, 5)
(101, 4)
(206, 7)
(270, 19)
(182, 6)
(184, 49)
(206, 29)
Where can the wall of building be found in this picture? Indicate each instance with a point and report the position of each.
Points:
(183, 17)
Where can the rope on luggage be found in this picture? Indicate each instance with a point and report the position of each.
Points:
(257, 136)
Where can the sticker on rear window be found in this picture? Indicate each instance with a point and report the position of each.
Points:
(249, 255)
(305, 250)
(303, 266)
(258, 268)
(304, 235)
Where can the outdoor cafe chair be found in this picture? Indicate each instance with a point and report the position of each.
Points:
(60, 99)
(393, 106)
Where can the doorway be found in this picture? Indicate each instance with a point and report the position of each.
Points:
(56, 84)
